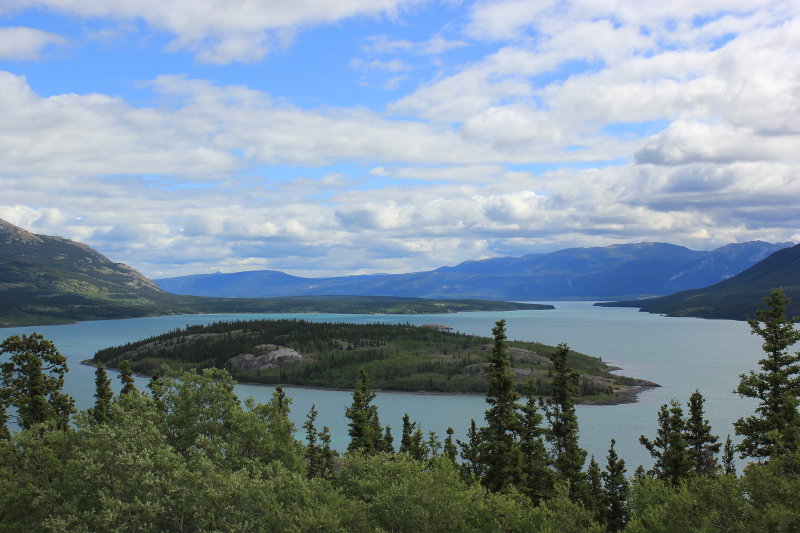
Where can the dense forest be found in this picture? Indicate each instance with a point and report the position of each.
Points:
(187, 455)
(396, 357)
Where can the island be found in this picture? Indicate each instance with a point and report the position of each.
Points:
(397, 357)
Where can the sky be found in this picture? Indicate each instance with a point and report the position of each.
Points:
(325, 138)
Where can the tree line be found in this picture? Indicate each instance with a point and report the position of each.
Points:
(187, 455)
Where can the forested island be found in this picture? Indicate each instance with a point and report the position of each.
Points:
(398, 357)
(187, 455)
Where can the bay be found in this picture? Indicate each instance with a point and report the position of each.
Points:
(681, 354)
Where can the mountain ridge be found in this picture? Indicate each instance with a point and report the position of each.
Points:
(622, 272)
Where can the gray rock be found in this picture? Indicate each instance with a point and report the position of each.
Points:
(266, 356)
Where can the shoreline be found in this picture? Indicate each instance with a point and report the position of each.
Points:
(625, 395)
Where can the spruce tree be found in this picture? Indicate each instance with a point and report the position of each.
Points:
(728, 465)
(597, 495)
(471, 468)
(408, 431)
(615, 486)
(669, 447)
(387, 442)
(313, 455)
(538, 479)
(327, 452)
(702, 445)
(774, 429)
(103, 395)
(126, 377)
(500, 454)
(563, 435)
(365, 429)
(31, 381)
(450, 450)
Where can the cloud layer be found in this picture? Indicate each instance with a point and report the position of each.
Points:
(516, 127)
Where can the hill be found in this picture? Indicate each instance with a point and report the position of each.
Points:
(735, 298)
(624, 271)
(52, 280)
(396, 357)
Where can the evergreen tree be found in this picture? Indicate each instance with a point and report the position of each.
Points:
(365, 429)
(563, 435)
(702, 445)
(537, 476)
(313, 455)
(450, 450)
(774, 429)
(728, 465)
(408, 431)
(669, 447)
(103, 395)
(471, 468)
(31, 381)
(327, 452)
(126, 377)
(597, 494)
(615, 486)
(387, 443)
(500, 454)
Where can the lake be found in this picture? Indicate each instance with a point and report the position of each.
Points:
(681, 354)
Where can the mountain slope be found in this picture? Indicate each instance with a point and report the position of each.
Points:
(613, 272)
(736, 297)
(51, 280)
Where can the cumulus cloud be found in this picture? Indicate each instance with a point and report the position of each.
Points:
(223, 31)
(20, 43)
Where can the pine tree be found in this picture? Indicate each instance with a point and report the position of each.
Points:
(387, 442)
(103, 395)
(472, 469)
(597, 494)
(365, 429)
(615, 486)
(499, 451)
(31, 381)
(563, 434)
(702, 445)
(537, 476)
(408, 431)
(728, 465)
(450, 450)
(774, 429)
(313, 454)
(327, 452)
(669, 447)
(126, 377)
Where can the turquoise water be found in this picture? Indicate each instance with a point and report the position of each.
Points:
(681, 354)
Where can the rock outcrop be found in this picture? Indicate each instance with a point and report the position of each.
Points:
(265, 356)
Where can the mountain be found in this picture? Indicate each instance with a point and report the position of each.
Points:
(52, 280)
(737, 297)
(615, 272)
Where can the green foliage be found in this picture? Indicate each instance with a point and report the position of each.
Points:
(500, 453)
(103, 395)
(774, 429)
(538, 478)
(365, 428)
(126, 377)
(669, 447)
(31, 381)
(563, 435)
(701, 444)
(615, 489)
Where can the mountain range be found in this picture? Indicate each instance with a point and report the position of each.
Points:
(52, 280)
(618, 272)
(737, 297)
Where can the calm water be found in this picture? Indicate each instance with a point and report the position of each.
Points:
(681, 354)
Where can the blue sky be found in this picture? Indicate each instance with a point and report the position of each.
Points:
(358, 136)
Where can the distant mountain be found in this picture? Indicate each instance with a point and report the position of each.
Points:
(737, 297)
(51, 280)
(624, 271)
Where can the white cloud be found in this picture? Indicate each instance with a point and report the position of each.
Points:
(223, 31)
(19, 43)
